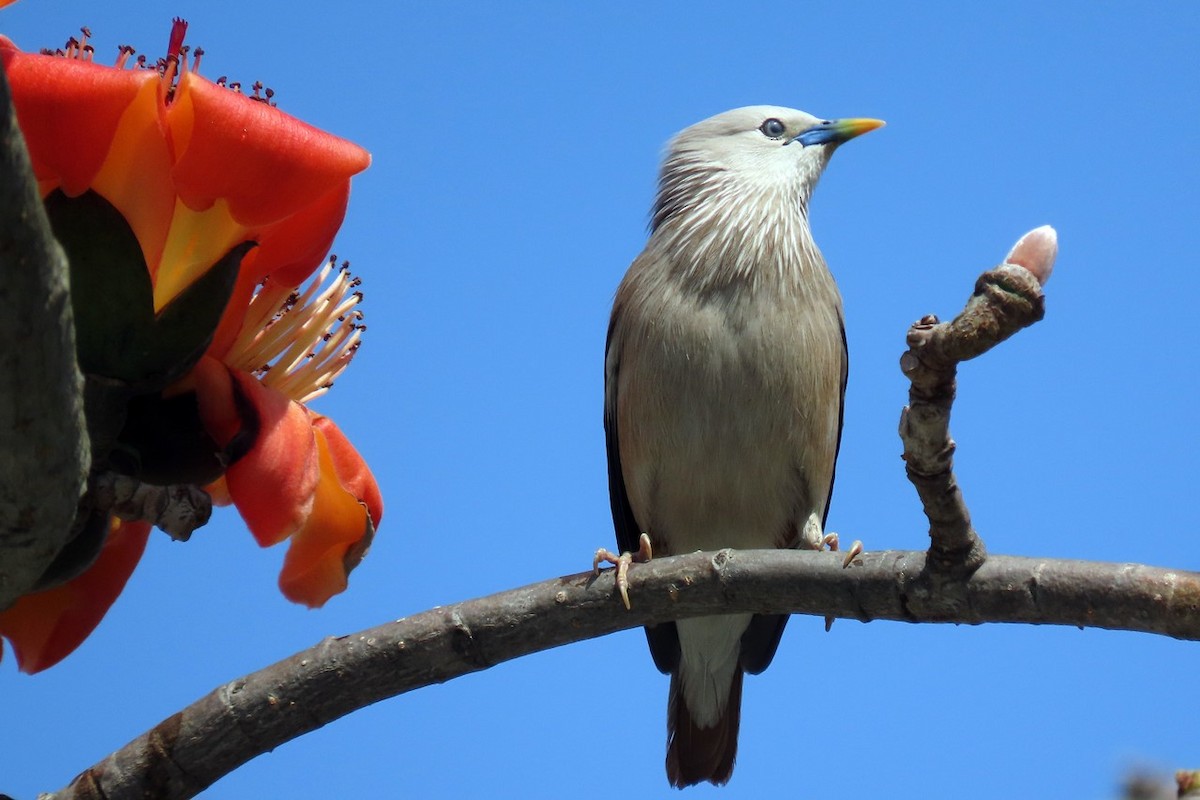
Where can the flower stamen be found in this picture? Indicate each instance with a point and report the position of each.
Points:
(124, 52)
(299, 342)
(171, 69)
(87, 52)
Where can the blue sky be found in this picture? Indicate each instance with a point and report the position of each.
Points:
(515, 151)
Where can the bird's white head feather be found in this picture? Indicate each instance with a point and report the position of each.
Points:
(734, 189)
(742, 155)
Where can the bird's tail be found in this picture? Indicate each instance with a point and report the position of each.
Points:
(696, 754)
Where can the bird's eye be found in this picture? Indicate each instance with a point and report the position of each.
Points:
(773, 128)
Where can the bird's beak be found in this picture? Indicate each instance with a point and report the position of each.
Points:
(838, 130)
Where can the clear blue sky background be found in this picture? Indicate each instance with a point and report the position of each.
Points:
(515, 152)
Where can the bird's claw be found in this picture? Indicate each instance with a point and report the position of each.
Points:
(621, 562)
(854, 552)
(830, 540)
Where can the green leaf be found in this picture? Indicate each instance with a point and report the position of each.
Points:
(184, 327)
(118, 335)
(111, 292)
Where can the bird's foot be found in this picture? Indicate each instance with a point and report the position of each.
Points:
(621, 562)
(830, 540)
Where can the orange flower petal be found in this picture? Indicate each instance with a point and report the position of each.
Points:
(214, 395)
(315, 567)
(273, 484)
(196, 240)
(274, 471)
(267, 164)
(291, 250)
(218, 491)
(194, 177)
(352, 471)
(69, 111)
(46, 627)
(136, 173)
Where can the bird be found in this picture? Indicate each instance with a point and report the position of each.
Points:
(724, 380)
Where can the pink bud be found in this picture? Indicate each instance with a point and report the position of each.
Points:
(1036, 251)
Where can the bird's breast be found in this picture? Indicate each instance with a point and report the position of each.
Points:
(728, 411)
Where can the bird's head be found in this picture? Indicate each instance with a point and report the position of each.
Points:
(765, 151)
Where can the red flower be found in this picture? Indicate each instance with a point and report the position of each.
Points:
(46, 627)
(300, 476)
(197, 169)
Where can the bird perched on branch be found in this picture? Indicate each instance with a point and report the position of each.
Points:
(724, 377)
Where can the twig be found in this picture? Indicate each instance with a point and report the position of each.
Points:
(1006, 299)
(177, 509)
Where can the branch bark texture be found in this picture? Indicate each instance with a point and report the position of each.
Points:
(193, 748)
(44, 454)
(1006, 299)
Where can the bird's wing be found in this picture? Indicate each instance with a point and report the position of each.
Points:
(626, 525)
(663, 639)
(841, 415)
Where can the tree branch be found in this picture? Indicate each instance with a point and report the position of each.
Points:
(1006, 299)
(193, 748)
(175, 509)
(44, 451)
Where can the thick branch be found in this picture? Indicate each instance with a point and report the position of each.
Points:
(193, 748)
(43, 441)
